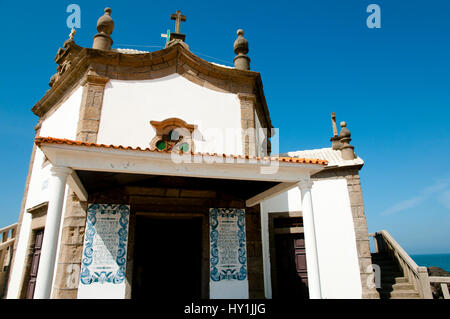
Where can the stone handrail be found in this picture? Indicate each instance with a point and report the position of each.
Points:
(417, 275)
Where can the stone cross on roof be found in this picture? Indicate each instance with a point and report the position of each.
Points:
(178, 17)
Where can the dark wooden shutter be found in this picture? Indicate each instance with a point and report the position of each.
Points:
(35, 263)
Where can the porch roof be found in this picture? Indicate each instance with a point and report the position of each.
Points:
(52, 140)
(283, 173)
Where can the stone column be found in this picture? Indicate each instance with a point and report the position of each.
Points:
(266, 251)
(57, 189)
(312, 260)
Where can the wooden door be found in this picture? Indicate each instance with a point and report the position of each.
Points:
(35, 263)
(292, 274)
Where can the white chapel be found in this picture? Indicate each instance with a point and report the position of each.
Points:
(152, 175)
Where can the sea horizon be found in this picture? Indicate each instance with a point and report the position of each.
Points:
(435, 260)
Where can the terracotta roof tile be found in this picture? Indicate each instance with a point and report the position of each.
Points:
(51, 140)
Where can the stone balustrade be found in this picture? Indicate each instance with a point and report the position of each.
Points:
(444, 281)
(417, 275)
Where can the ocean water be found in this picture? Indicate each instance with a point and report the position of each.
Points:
(437, 260)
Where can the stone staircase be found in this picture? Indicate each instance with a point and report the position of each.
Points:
(393, 284)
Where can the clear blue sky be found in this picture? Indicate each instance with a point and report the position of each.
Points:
(391, 85)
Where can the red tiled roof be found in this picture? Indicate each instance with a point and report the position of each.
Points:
(51, 140)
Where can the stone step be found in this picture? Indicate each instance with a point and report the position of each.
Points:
(382, 263)
(390, 274)
(376, 260)
(405, 294)
(389, 268)
(397, 286)
(381, 257)
(397, 280)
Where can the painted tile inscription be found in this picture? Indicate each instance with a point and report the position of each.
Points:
(105, 245)
(228, 257)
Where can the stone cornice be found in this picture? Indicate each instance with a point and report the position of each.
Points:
(152, 65)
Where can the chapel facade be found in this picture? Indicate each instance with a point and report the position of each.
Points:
(152, 176)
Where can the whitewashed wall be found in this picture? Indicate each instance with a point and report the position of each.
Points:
(61, 124)
(129, 106)
(335, 235)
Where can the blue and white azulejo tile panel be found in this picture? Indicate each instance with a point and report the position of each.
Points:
(228, 253)
(103, 263)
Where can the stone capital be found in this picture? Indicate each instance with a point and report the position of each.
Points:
(305, 185)
(60, 171)
(91, 77)
(247, 97)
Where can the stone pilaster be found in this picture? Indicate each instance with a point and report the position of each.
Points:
(361, 234)
(91, 106)
(254, 253)
(248, 106)
(71, 249)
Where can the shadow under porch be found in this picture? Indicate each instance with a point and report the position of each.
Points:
(168, 246)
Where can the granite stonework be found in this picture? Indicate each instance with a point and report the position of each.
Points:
(71, 248)
(91, 106)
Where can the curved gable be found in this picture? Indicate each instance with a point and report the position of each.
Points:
(74, 63)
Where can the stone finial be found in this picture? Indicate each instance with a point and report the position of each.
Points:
(241, 60)
(341, 142)
(347, 150)
(105, 26)
(344, 130)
